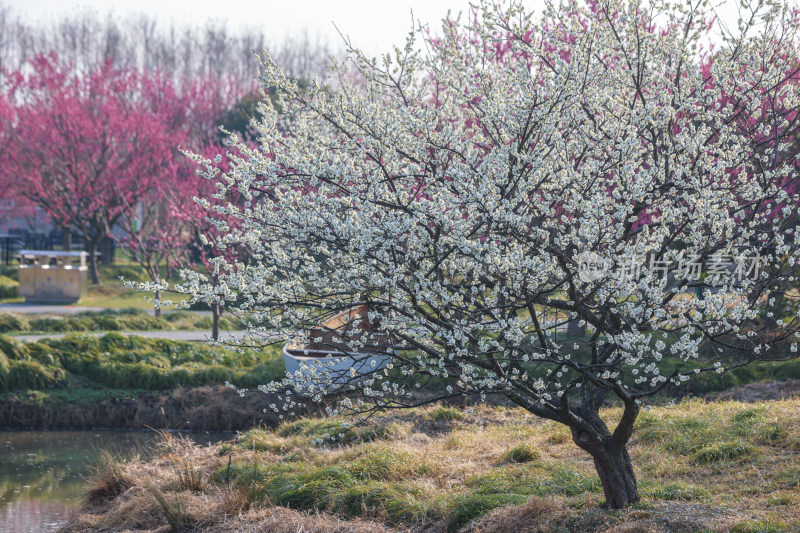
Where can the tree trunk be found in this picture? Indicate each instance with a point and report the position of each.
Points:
(611, 459)
(215, 321)
(67, 240)
(615, 469)
(157, 308)
(93, 271)
(575, 331)
(107, 250)
(460, 400)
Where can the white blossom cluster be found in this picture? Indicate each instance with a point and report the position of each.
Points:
(451, 187)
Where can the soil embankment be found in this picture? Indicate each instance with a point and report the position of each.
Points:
(216, 408)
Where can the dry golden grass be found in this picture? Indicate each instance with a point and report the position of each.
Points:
(712, 467)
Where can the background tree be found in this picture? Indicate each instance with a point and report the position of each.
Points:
(141, 43)
(83, 148)
(518, 176)
(207, 247)
(159, 226)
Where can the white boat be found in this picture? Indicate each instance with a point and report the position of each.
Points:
(327, 359)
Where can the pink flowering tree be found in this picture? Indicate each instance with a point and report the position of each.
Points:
(159, 227)
(6, 125)
(209, 253)
(85, 146)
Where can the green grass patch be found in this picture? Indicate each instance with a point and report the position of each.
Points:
(304, 432)
(672, 491)
(110, 320)
(470, 506)
(522, 453)
(445, 413)
(116, 361)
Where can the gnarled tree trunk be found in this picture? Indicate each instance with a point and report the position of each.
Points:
(611, 459)
(616, 475)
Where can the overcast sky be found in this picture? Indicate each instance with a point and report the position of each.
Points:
(373, 26)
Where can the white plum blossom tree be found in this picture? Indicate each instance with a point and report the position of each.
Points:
(587, 206)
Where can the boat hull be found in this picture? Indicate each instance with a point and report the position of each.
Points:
(341, 369)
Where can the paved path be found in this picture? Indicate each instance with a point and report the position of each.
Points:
(23, 309)
(192, 336)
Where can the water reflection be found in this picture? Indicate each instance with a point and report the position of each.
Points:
(43, 474)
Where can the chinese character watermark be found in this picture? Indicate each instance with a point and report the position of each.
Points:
(718, 267)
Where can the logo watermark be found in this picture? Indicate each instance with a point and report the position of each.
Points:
(591, 266)
(718, 267)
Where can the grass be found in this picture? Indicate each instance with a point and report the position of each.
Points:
(722, 466)
(110, 292)
(108, 320)
(76, 363)
(110, 479)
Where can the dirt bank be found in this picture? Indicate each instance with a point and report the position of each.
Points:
(200, 408)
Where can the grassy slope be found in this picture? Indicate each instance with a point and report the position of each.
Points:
(702, 467)
(116, 361)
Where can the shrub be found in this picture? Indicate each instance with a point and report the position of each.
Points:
(11, 322)
(43, 354)
(13, 348)
(133, 362)
(5, 366)
(213, 374)
(142, 323)
(32, 375)
(523, 453)
(263, 373)
(116, 341)
(177, 316)
(106, 323)
(9, 288)
(50, 324)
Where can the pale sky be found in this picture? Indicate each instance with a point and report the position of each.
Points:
(372, 26)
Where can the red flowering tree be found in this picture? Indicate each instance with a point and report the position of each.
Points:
(6, 121)
(160, 226)
(85, 146)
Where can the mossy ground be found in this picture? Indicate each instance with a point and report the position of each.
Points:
(724, 466)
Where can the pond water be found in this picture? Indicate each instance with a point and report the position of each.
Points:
(43, 474)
